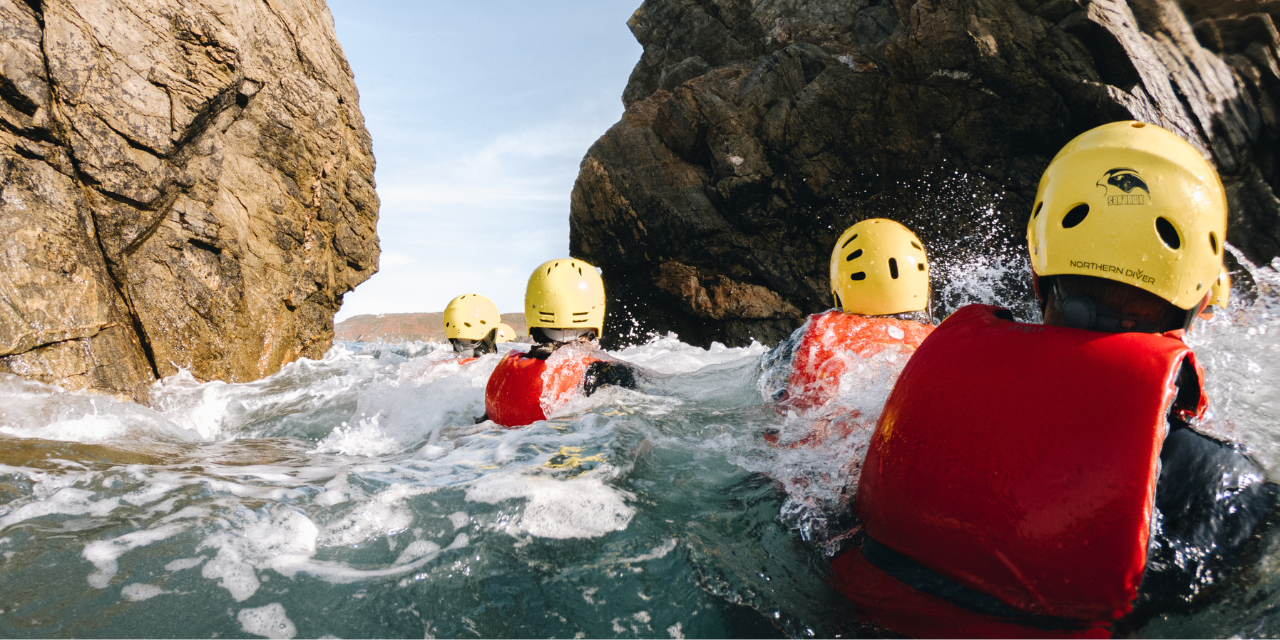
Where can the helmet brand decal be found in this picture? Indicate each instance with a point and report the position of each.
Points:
(1125, 186)
(1136, 274)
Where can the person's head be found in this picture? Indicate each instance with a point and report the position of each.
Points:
(564, 301)
(505, 333)
(879, 267)
(1088, 302)
(472, 323)
(1132, 204)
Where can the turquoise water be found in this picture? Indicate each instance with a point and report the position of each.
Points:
(353, 496)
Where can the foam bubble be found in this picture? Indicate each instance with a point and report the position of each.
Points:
(69, 501)
(418, 549)
(270, 621)
(383, 515)
(104, 553)
(183, 564)
(582, 507)
(137, 592)
(232, 573)
(459, 519)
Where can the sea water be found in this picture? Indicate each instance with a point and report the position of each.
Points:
(356, 496)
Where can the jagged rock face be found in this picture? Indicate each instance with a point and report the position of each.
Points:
(756, 132)
(185, 184)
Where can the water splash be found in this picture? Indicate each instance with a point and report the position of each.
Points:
(355, 496)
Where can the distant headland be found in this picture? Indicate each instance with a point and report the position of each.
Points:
(402, 327)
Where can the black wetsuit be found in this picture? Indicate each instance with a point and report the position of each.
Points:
(1214, 506)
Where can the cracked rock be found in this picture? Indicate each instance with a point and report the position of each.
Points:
(151, 219)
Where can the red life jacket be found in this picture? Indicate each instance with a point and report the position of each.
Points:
(1018, 462)
(830, 339)
(523, 390)
(831, 342)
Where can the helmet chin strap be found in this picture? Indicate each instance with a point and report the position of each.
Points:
(1081, 312)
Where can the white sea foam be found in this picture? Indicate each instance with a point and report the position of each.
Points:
(104, 553)
(270, 621)
(183, 564)
(365, 469)
(137, 592)
(582, 507)
(667, 355)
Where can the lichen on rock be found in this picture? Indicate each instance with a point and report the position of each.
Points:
(186, 185)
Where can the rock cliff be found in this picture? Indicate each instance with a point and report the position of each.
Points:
(183, 184)
(756, 131)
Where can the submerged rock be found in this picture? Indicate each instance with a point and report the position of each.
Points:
(182, 185)
(756, 132)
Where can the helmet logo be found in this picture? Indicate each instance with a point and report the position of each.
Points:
(1125, 186)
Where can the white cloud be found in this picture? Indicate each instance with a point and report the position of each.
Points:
(395, 259)
(478, 140)
(534, 166)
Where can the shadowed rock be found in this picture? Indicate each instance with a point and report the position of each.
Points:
(755, 132)
(185, 185)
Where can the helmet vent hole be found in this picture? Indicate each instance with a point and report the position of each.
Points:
(1138, 125)
(893, 268)
(1075, 216)
(851, 239)
(467, 324)
(855, 254)
(1168, 234)
(1213, 242)
(1039, 205)
(861, 275)
(917, 245)
(919, 266)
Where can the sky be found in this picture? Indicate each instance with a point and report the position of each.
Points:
(480, 112)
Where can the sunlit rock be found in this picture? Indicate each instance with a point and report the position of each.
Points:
(183, 185)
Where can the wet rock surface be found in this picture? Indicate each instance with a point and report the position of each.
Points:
(756, 132)
(182, 185)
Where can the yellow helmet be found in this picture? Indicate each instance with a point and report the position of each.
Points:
(1220, 292)
(878, 267)
(505, 333)
(470, 316)
(565, 294)
(1134, 203)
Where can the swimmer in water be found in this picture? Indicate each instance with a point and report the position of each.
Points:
(1047, 479)
(474, 327)
(564, 309)
(880, 287)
